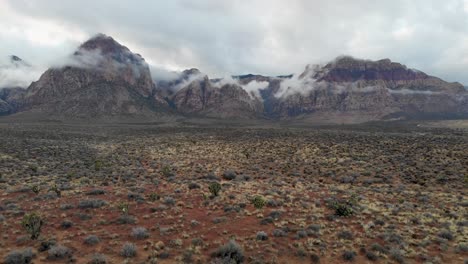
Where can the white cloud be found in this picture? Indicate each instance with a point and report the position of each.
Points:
(224, 38)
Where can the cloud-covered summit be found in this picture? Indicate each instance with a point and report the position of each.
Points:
(236, 37)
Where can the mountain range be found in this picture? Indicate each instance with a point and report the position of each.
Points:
(104, 80)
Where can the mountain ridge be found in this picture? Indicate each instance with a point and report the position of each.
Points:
(104, 78)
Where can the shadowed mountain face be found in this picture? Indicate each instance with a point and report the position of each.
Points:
(102, 78)
(105, 79)
(11, 95)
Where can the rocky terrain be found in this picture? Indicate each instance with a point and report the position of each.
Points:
(104, 80)
(386, 193)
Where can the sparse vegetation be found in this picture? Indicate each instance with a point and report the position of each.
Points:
(258, 202)
(391, 196)
(129, 250)
(33, 224)
(229, 253)
(214, 188)
(24, 256)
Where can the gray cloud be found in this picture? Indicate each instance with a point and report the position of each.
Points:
(269, 37)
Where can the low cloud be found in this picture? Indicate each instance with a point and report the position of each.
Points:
(253, 87)
(17, 74)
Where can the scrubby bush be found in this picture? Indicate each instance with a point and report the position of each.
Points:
(125, 219)
(140, 233)
(262, 236)
(169, 201)
(32, 223)
(346, 235)
(124, 208)
(279, 233)
(229, 175)
(95, 192)
(66, 224)
(24, 256)
(258, 202)
(129, 250)
(371, 256)
(85, 204)
(193, 185)
(349, 255)
(58, 252)
(446, 234)
(229, 253)
(214, 188)
(91, 240)
(98, 259)
(314, 258)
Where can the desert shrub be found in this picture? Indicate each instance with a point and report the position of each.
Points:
(167, 171)
(279, 233)
(123, 207)
(262, 236)
(98, 164)
(314, 258)
(396, 255)
(342, 209)
(229, 175)
(95, 192)
(301, 234)
(153, 197)
(92, 240)
(24, 256)
(461, 248)
(346, 235)
(193, 185)
(349, 255)
(35, 189)
(56, 190)
(229, 253)
(314, 228)
(95, 203)
(258, 202)
(46, 245)
(58, 252)
(135, 196)
(267, 220)
(371, 256)
(32, 223)
(98, 259)
(214, 188)
(446, 234)
(125, 219)
(140, 233)
(66, 224)
(378, 248)
(169, 201)
(128, 250)
(66, 206)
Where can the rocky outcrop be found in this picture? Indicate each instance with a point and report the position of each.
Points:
(214, 99)
(11, 99)
(378, 89)
(102, 78)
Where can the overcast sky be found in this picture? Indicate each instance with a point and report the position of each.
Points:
(246, 36)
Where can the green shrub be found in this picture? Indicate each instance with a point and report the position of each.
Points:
(98, 164)
(258, 202)
(214, 188)
(124, 208)
(32, 223)
(35, 189)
